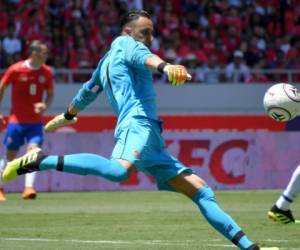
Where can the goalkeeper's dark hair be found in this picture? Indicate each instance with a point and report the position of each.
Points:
(132, 16)
(36, 45)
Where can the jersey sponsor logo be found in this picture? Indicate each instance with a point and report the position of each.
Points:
(23, 78)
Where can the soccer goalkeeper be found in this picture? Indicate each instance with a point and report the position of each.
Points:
(124, 74)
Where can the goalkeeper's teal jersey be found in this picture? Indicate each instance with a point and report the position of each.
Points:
(128, 84)
(125, 79)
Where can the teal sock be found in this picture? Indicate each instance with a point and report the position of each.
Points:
(222, 222)
(86, 164)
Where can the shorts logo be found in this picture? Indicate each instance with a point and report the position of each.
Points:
(136, 154)
(9, 140)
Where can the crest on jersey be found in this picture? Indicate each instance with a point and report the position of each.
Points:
(42, 79)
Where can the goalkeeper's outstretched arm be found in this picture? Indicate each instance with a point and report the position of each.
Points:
(177, 74)
(87, 94)
(64, 119)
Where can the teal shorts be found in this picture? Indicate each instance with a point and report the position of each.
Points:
(141, 143)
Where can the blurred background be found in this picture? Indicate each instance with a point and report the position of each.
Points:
(216, 123)
(231, 41)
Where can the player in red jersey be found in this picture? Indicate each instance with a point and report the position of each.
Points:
(31, 83)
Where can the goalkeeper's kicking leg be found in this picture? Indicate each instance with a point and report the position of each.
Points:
(81, 164)
(119, 170)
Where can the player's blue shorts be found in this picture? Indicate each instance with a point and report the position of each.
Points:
(141, 143)
(17, 134)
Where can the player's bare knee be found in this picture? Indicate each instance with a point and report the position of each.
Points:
(119, 177)
(196, 181)
(187, 183)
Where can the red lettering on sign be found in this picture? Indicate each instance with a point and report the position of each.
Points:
(216, 165)
(186, 149)
(133, 180)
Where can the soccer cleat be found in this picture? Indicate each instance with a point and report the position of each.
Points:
(26, 164)
(281, 216)
(2, 195)
(29, 193)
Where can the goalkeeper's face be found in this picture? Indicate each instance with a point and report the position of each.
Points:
(142, 30)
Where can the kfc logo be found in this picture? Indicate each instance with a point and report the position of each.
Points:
(212, 158)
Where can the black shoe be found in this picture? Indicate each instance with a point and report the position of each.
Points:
(253, 247)
(23, 165)
(281, 216)
(256, 247)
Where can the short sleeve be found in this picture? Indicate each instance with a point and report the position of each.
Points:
(8, 76)
(136, 53)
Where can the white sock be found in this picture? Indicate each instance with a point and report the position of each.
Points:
(30, 179)
(291, 191)
(283, 204)
(2, 165)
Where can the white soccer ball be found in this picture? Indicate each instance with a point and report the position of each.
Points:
(282, 102)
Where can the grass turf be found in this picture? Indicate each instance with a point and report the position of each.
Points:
(136, 220)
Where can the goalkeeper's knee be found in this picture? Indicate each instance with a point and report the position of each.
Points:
(117, 172)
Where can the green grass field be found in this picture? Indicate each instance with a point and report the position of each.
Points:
(136, 220)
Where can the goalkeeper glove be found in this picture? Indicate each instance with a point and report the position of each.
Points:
(177, 74)
(60, 121)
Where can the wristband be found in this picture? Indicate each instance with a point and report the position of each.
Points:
(161, 66)
(68, 115)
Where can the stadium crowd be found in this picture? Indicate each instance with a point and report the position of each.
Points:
(219, 41)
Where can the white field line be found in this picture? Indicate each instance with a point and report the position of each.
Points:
(110, 241)
(232, 246)
(221, 245)
(143, 242)
(120, 242)
(282, 240)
